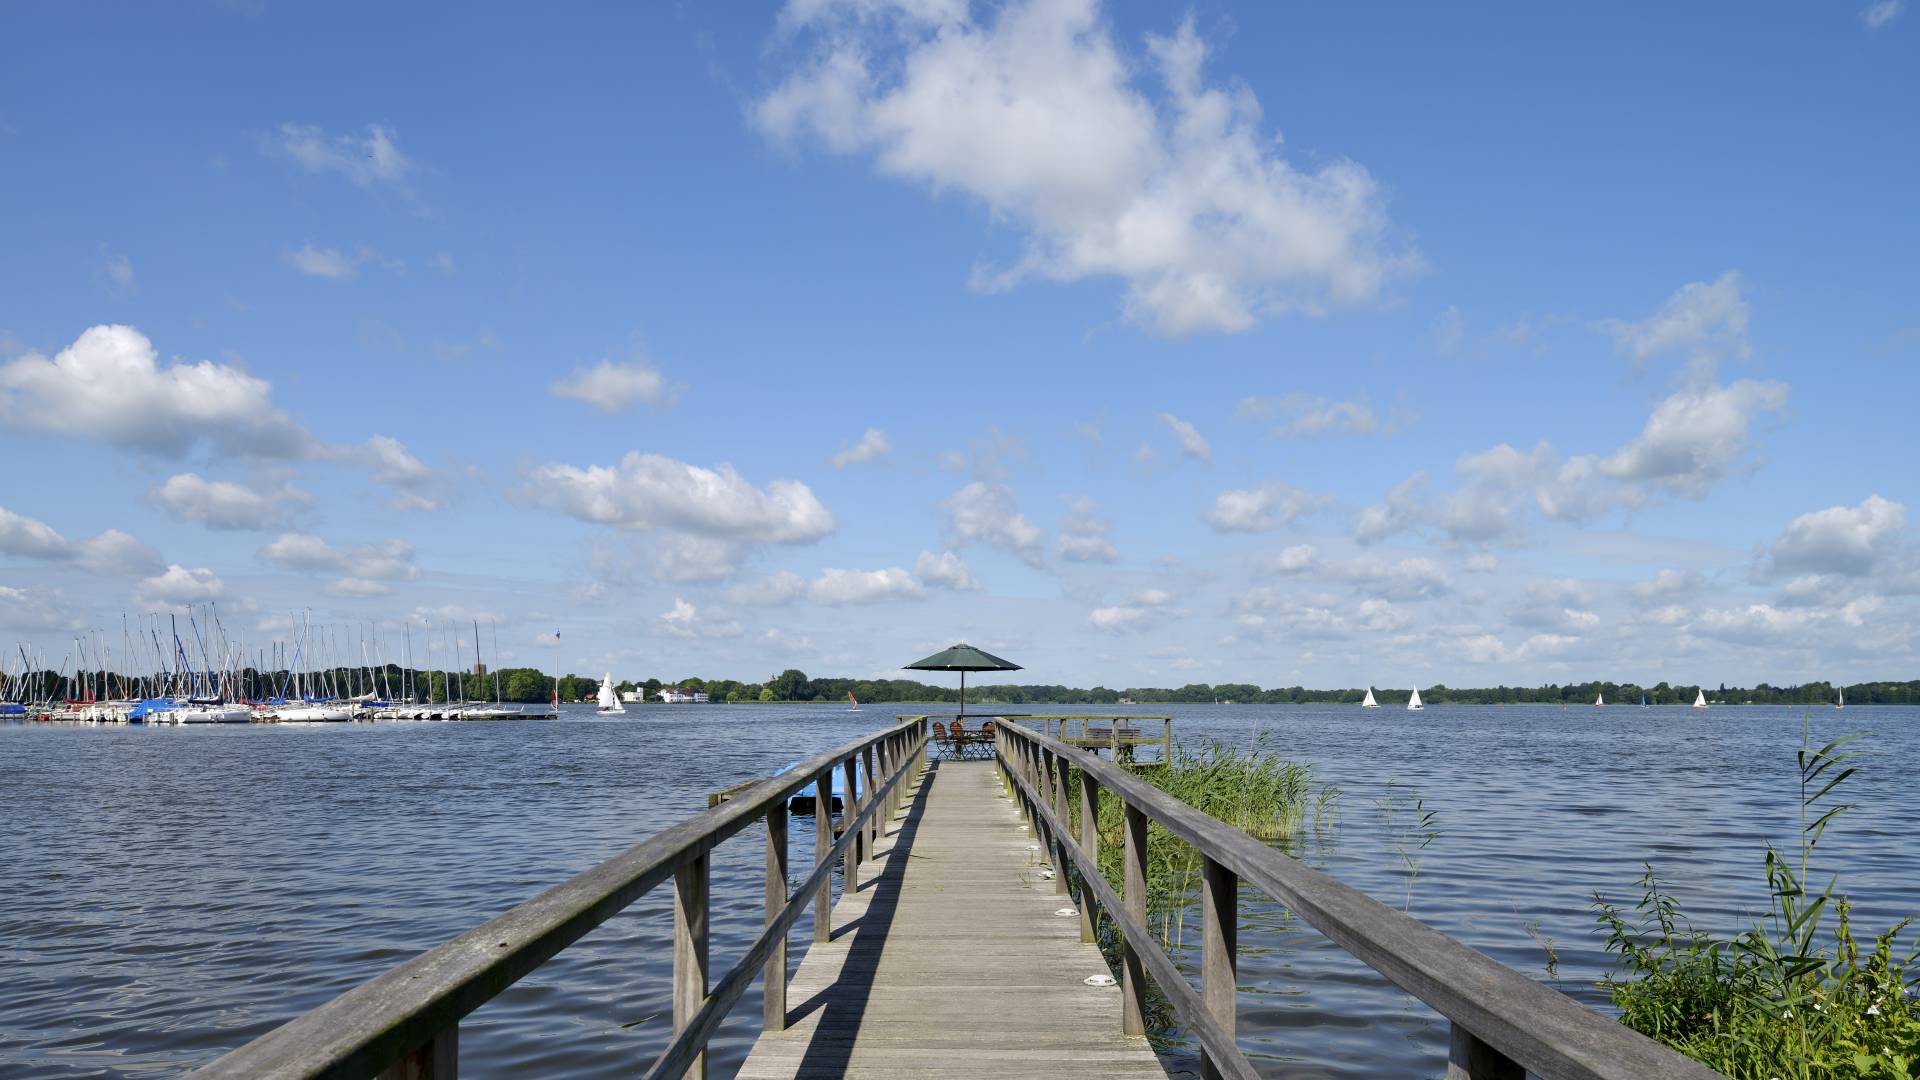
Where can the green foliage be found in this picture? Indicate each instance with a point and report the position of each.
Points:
(1256, 791)
(1412, 827)
(1771, 1002)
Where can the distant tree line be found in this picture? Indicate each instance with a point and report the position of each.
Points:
(524, 685)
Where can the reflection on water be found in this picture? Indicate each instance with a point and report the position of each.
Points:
(175, 892)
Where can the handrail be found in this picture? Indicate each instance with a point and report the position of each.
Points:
(1504, 1023)
(406, 1020)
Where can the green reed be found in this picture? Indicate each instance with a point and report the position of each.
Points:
(1773, 1001)
(1254, 790)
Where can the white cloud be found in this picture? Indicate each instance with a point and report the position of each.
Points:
(180, 587)
(25, 610)
(1192, 443)
(1846, 540)
(1296, 559)
(1410, 578)
(1304, 415)
(385, 560)
(685, 557)
(116, 553)
(873, 446)
(1257, 509)
(1178, 189)
(1695, 437)
(986, 513)
(1083, 534)
(1404, 508)
(651, 491)
(1667, 583)
(684, 620)
(222, 504)
(615, 386)
(1153, 597)
(118, 272)
(1881, 12)
(111, 552)
(1116, 619)
(947, 570)
(392, 464)
(1481, 564)
(442, 262)
(110, 385)
(369, 160)
(353, 587)
(1381, 616)
(835, 586)
(331, 263)
(770, 591)
(1707, 320)
(22, 535)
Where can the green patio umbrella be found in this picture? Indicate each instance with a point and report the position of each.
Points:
(962, 658)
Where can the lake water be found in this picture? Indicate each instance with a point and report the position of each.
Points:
(172, 893)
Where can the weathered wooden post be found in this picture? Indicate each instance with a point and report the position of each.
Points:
(1113, 736)
(849, 809)
(1470, 1059)
(1090, 845)
(1133, 978)
(1219, 956)
(822, 844)
(1166, 739)
(1061, 859)
(436, 1059)
(871, 834)
(774, 1017)
(690, 950)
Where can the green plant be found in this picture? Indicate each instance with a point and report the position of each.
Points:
(1412, 833)
(1771, 1002)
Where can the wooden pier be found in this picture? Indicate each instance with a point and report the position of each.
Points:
(952, 960)
(964, 946)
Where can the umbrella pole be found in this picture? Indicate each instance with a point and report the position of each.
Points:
(963, 693)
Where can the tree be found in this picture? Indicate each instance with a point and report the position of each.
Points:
(790, 685)
(766, 693)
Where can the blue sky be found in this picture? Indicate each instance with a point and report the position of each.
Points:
(1274, 343)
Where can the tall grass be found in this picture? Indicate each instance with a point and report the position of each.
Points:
(1773, 1001)
(1254, 790)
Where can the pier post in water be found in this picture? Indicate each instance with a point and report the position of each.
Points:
(1219, 964)
(870, 836)
(690, 950)
(822, 844)
(1133, 976)
(436, 1059)
(1090, 844)
(849, 809)
(774, 1015)
(1470, 1059)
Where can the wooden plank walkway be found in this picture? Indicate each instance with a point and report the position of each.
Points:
(948, 960)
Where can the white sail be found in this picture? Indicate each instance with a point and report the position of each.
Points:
(1599, 700)
(1369, 703)
(1413, 703)
(1841, 701)
(1700, 699)
(610, 698)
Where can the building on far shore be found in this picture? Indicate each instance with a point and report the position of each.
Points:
(680, 695)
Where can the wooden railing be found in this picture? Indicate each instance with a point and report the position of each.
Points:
(406, 1022)
(1505, 1025)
